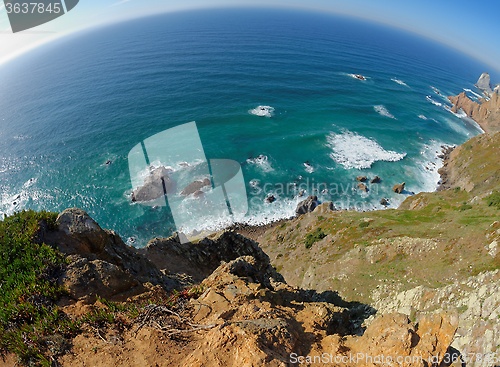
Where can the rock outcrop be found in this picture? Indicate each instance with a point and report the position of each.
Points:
(240, 321)
(100, 263)
(307, 206)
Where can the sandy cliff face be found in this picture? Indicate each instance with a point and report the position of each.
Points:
(486, 114)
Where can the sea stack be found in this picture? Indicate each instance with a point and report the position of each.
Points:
(484, 83)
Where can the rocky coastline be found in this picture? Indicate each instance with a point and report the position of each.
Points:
(418, 284)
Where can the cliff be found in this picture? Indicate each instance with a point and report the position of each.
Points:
(486, 112)
(120, 305)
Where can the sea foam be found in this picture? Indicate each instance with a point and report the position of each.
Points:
(383, 111)
(400, 82)
(355, 151)
(261, 161)
(262, 111)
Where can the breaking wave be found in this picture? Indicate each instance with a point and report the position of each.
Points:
(355, 151)
(383, 111)
(262, 111)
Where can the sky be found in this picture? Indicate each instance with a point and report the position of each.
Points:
(470, 27)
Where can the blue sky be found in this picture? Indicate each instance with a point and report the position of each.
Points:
(471, 27)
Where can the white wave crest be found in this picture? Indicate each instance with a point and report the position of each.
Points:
(262, 161)
(422, 117)
(355, 151)
(400, 82)
(383, 111)
(308, 167)
(476, 95)
(435, 103)
(262, 111)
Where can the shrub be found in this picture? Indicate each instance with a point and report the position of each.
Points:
(494, 199)
(28, 273)
(314, 237)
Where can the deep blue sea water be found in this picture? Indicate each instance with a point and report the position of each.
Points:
(71, 106)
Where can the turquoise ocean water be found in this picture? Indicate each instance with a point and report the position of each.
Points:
(68, 108)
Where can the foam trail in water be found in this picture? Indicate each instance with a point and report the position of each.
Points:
(477, 95)
(383, 111)
(400, 82)
(355, 151)
(422, 117)
(435, 103)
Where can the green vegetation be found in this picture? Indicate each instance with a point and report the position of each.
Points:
(494, 200)
(28, 273)
(314, 237)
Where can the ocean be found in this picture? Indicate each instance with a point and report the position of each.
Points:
(71, 111)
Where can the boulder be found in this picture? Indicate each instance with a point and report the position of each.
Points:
(384, 202)
(375, 179)
(156, 184)
(362, 187)
(398, 189)
(307, 206)
(361, 178)
(484, 83)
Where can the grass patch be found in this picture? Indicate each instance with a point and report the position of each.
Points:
(464, 207)
(313, 237)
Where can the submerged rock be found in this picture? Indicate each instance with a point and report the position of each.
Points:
(361, 178)
(375, 179)
(363, 187)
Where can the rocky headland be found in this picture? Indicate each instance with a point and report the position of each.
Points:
(485, 111)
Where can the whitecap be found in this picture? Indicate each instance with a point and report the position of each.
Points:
(383, 111)
(262, 111)
(30, 182)
(427, 167)
(422, 117)
(355, 151)
(400, 82)
(435, 103)
(308, 167)
(261, 161)
(358, 77)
